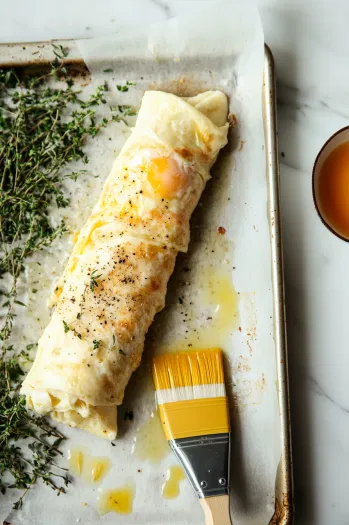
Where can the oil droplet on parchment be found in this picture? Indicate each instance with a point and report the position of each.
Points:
(217, 291)
(150, 442)
(97, 468)
(215, 314)
(175, 475)
(91, 469)
(119, 500)
(75, 460)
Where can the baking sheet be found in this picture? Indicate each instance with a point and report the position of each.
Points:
(228, 56)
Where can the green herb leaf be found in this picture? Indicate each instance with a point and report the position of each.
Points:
(127, 111)
(93, 280)
(109, 70)
(60, 51)
(31, 346)
(24, 356)
(43, 128)
(96, 344)
(125, 86)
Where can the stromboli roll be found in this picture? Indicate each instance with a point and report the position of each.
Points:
(116, 278)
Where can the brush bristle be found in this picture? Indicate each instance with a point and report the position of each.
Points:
(191, 394)
(188, 369)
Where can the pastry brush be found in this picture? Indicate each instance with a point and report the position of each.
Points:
(194, 413)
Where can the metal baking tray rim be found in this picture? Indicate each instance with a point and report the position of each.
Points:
(16, 55)
(284, 503)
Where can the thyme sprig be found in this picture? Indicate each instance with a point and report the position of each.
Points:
(42, 129)
(93, 280)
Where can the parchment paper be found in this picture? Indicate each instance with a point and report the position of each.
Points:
(220, 48)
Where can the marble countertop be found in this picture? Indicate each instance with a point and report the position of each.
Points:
(310, 44)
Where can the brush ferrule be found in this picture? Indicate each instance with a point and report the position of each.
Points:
(206, 462)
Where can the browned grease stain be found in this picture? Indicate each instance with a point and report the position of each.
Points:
(283, 510)
(242, 143)
(242, 364)
(249, 392)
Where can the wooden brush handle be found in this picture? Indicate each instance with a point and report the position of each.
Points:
(216, 510)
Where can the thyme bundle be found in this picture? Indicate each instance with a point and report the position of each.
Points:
(42, 129)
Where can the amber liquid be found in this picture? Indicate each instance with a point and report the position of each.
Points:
(333, 190)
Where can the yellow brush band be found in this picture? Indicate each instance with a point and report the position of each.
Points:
(197, 417)
(197, 367)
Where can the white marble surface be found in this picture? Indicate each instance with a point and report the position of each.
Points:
(311, 47)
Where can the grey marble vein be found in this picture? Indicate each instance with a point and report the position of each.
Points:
(165, 8)
(318, 390)
(301, 99)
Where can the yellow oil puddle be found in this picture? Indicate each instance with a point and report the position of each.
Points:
(217, 297)
(171, 489)
(119, 500)
(150, 443)
(91, 469)
(217, 291)
(75, 461)
(97, 468)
